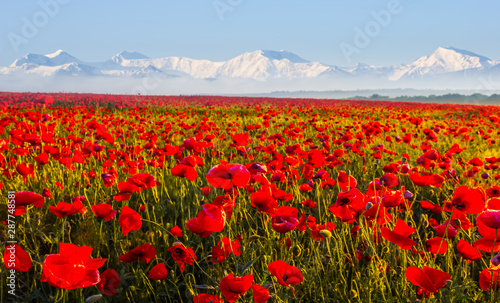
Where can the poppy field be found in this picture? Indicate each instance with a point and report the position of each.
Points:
(230, 199)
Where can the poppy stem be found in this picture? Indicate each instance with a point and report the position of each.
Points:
(144, 220)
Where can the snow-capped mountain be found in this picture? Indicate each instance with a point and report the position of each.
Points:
(443, 60)
(445, 64)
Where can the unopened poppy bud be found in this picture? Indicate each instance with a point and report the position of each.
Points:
(253, 237)
(403, 160)
(326, 259)
(457, 222)
(93, 298)
(325, 233)
(296, 250)
(369, 250)
(189, 293)
(368, 205)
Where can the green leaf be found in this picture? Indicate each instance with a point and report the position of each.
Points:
(249, 264)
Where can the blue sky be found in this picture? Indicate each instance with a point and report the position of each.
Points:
(317, 30)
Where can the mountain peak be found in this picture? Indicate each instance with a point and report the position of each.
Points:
(282, 54)
(59, 52)
(443, 51)
(125, 55)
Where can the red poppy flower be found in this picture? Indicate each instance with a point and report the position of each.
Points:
(219, 254)
(445, 230)
(104, 211)
(286, 274)
(400, 235)
(109, 282)
(468, 252)
(16, 258)
(494, 191)
(232, 287)
(227, 175)
(490, 218)
(195, 227)
(348, 205)
(25, 198)
(430, 279)
(490, 278)
(72, 268)
(437, 245)
(346, 182)
(434, 208)
(186, 169)
(264, 201)
(260, 293)
(240, 140)
(469, 200)
(426, 179)
(206, 190)
(24, 170)
(309, 203)
(378, 212)
(285, 219)
(158, 272)
(143, 253)
(46, 193)
(176, 231)
(63, 209)
(389, 180)
(493, 204)
(182, 255)
(207, 298)
(143, 181)
(42, 158)
(129, 220)
(393, 198)
(212, 218)
(108, 179)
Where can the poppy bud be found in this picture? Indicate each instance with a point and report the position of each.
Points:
(403, 160)
(93, 298)
(326, 259)
(253, 237)
(325, 233)
(368, 205)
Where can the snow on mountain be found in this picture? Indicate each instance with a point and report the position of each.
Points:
(260, 65)
(443, 60)
(60, 57)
